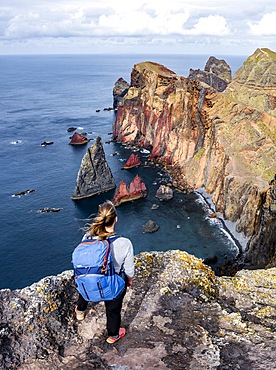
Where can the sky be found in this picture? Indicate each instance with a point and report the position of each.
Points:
(231, 27)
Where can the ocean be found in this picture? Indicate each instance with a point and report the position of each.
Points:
(41, 96)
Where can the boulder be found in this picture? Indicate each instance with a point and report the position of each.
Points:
(70, 129)
(150, 227)
(78, 139)
(164, 192)
(133, 161)
(119, 91)
(154, 206)
(136, 190)
(94, 176)
(177, 315)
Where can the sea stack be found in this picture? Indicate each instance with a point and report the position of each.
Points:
(78, 139)
(94, 176)
(133, 161)
(136, 190)
(119, 91)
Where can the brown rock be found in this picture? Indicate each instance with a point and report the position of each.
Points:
(78, 139)
(136, 190)
(133, 161)
(213, 215)
(164, 193)
(150, 227)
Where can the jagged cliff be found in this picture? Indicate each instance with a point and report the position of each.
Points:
(216, 74)
(222, 142)
(178, 315)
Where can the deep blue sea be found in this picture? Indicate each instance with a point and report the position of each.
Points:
(40, 98)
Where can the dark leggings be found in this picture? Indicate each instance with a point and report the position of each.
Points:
(113, 312)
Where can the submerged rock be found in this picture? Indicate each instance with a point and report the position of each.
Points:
(24, 192)
(70, 129)
(78, 139)
(133, 161)
(94, 176)
(164, 193)
(178, 315)
(45, 143)
(47, 210)
(136, 190)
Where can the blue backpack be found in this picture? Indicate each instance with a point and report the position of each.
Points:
(94, 273)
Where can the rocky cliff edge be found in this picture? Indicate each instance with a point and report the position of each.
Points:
(178, 315)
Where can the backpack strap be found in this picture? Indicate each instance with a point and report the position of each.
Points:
(108, 240)
(105, 256)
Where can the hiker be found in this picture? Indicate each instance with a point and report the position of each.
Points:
(123, 259)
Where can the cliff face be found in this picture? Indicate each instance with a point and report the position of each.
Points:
(178, 315)
(224, 142)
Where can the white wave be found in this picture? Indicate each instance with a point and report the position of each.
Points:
(145, 151)
(229, 237)
(16, 142)
(80, 128)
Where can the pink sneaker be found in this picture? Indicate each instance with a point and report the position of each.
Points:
(122, 333)
(80, 315)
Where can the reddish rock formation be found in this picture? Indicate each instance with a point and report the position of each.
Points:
(133, 161)
(224, 142)
(136, 190)
(78, 139)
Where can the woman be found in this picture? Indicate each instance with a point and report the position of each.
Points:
(123, 259)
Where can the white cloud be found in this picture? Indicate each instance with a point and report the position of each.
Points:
(266, 26)
(151, 22)
(212, 25)
(143, 23)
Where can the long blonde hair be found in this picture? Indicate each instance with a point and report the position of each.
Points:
(105, 218)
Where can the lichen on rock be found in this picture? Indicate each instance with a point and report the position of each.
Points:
(177, 312)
